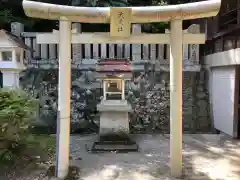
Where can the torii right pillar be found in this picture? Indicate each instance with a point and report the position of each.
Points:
(176, 44)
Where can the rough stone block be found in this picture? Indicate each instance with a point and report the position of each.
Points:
(113, 122)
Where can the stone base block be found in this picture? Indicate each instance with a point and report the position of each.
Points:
(118, 142)
(114, 122)
(98, 147)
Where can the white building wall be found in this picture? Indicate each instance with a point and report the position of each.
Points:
(222, 78)
(223, 94)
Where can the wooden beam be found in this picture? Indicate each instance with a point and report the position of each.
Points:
(98, 38)
(231, 29)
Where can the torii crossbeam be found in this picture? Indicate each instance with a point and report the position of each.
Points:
(98, 38)
(121, 34)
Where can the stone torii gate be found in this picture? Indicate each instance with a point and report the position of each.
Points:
(120, 20)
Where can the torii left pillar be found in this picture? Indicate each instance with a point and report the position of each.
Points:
(64, 95)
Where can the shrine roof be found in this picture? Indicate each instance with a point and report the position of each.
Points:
(114, 68)
(113, 61)
(113, 65)
(16, 40)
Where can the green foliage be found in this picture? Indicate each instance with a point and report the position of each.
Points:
(106, 3)
(11, 13)
(17, 110)
(160, 27)
(42, 145)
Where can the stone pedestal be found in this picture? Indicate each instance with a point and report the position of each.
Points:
(114, 116)
(113, 122)
(10, 79)
(114, 127)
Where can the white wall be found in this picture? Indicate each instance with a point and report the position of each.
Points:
(10, 79)
(223, 91)
(222, 74)
(225, 58)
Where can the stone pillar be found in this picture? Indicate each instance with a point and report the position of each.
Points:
(136, 48)
(64, 93)
(176, 43)
(123, 89)
(10, 79)
(1, 58)
(194, 48)
(17, 28)
(14, 56)
(77, 48)
(104, 90)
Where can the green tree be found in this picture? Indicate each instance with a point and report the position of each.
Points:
(17, 112)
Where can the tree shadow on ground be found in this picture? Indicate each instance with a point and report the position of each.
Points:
(209, 157)
(217, 158)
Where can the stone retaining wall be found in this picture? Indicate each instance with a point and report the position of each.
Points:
(149, 97)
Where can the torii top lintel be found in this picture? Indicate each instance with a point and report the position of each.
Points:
(146, 14)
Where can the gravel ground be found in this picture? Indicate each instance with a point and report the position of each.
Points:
(205, 157)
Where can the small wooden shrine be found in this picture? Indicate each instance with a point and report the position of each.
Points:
(114, 108)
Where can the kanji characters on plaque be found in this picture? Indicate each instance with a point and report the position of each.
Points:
(120, 22)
